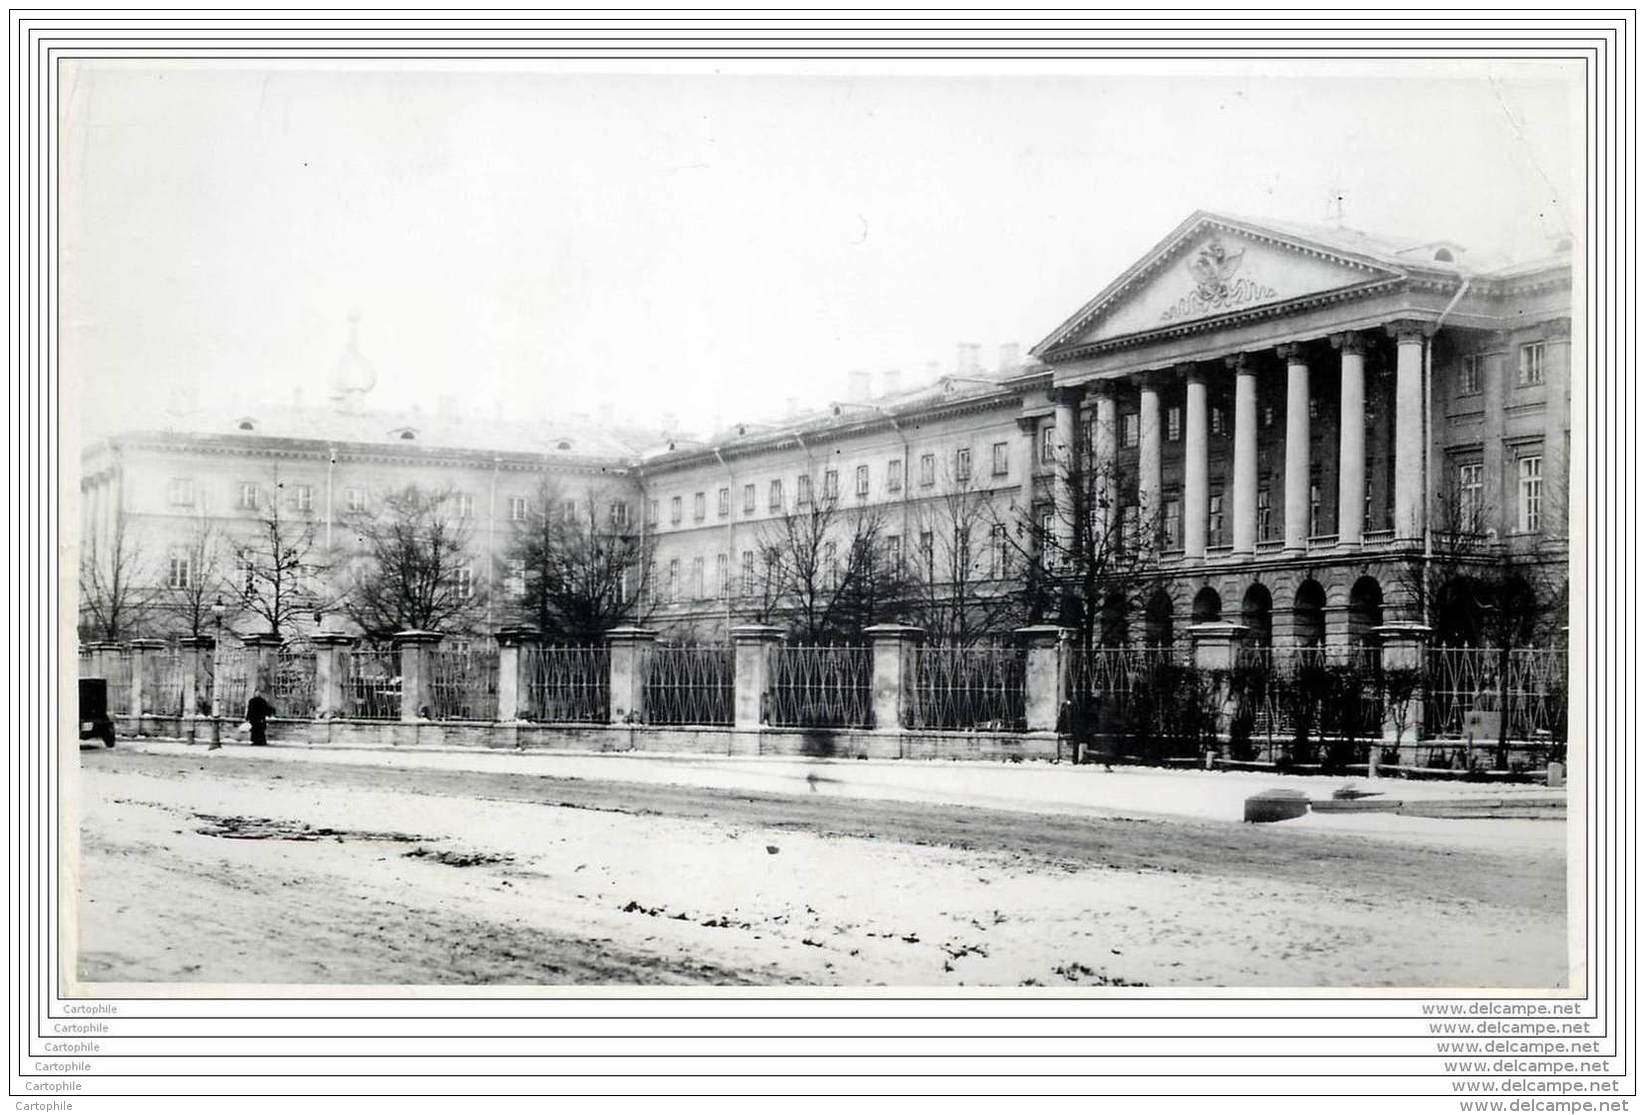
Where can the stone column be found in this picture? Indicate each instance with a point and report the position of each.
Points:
(753, 674)
(1196, 468)
(1065, 447)
(630, 664)
(1556, 443)
(143, 654)
(1408, 448)
(513, 693)
(416, 672)
(1104, 463)
(893, 684)
(1296, 448)
(1351, 442)
(1245, 455)
(1216, 652)
(331, 650)
(1403, 646)
(1150, 471)
(1045, 682)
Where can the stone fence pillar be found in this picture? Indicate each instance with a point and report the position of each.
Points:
(101, 653)
(630, 664)
(416, 671)
(144, 653)
(331, 651)
(892, 688)
(752, 674)
(512, 692)
(1045, 681)
(1404, 659)
(1216, 652)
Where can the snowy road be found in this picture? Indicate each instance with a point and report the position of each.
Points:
(505, 869)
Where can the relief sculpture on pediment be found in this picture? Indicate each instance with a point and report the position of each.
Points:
(1218, 285)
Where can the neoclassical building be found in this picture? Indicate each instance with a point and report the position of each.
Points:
(1300, 409)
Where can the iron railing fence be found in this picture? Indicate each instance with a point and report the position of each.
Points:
(371, 684)
(463, 682)
(566, 685)
(291, 689)
(689, 685)
(117, 669)
(233, 680)
(970, 688)
(1145, 702)
(1307, 704)
(163, 683)
(1473, 692)
(821, 687)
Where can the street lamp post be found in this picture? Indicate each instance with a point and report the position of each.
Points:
(217, 610)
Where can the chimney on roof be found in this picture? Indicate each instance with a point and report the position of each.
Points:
(858, 387)
(1010, 357)
(891, 382)
(967, 359)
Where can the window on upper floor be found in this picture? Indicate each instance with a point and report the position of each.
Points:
(831, 484)
(676, 510)
(1001, 458)
(463, 502)
(1130, 430)
(1213, 520)
(1471, 376)
(802, 490)
(893, 475)
(518, 508)
(1531, 364)
(619, 514)
(699, 507)
(962, 465)
(1530, 493)
(1048, 444)
(247, 500)
(179, 568)
(1173, 423)
(180, 492)
(1470, 495)
(465, 581)
(774, 497)
(862, 481)
(748, 499)
(651, 512)
(928, 469)
(724, 505)
(354, 499)
(1265, 515)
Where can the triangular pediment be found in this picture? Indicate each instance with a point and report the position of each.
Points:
(1210, 268)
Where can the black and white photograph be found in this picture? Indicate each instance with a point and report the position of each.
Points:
(901, 529)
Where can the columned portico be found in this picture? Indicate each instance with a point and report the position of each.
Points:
(1245, 455)
(1196, 479)
(1351, 442)
(1296, 448)
(1411, 338)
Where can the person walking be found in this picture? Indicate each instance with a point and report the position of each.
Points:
(257, 713)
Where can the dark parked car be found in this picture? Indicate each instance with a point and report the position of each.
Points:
(94, 711)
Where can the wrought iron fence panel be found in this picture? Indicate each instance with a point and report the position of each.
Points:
(566, 685)
(970, 688)
(1473, 692)
(821, 687)
(117, 669)
(1142, 696)
(292, 687)
(463, 683)
(1293, 701)
(163, 683)
(371, 684)
(233, 677)
(689, 685)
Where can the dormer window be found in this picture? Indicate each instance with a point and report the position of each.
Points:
(247, 424)
(404, 433)
(562, 445)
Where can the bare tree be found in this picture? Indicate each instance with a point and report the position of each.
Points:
(279, 570)
(194, 578)
(414, 571)
(829, 571)
(119, 592)
(573, 571)
(967, 579)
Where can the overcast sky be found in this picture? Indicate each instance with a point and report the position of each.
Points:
(710, 245)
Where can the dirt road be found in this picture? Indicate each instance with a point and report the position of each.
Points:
(227, 868)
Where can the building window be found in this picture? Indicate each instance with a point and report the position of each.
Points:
(514, 577)
(1265, 514)
(619, 514)
(699, 507)
(1530, 493)
(1088, 439)
(248, 497)
(831, 567)
(831, 484)
(1213, 520)
(722, 575)
(673, 580)
(517, 506)
(180, 492)
(962, 551)
(651, 512)
(1470, 496)
(1370, 479)
(893, 552)
(748, 572)
(927, 555)
(1313, 509)
(893, 475)
(1048, 540)
(355, 499)
(465, 505)
(998, 557)
(1130, 430)
(725, 502)
(1173, 523)
(1002, 458)
(465, 582)
(862, 481)
(676, 510)
(962, 465)
(1530, 364)
(1173, 423)
(1048, 444)
(928, 470)
(774, 498)
(179, 569)
(1471, 380)
(302, 497)
(696, 578)
(802, 490)
(748, 499)
(568, 511)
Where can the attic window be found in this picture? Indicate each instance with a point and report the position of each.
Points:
(246, 424)
(562, 445)
(1444, 255)
(408, 435)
